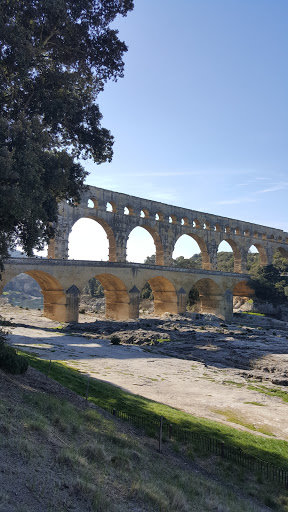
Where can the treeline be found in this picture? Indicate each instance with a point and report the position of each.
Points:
(270, 283)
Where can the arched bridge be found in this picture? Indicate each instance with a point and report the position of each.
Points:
(62, 281)
(120, 213)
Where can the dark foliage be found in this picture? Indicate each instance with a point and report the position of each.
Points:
(94, 288)
(194, 262)
(10, 362)
(269, 284)
(193, 296)
(115, 340)
(55, 57)
(146, 292)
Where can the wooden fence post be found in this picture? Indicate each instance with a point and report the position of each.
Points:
(160, 434)
(222, 448)
(87, 390)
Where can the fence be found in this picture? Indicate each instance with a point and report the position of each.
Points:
(163, 429)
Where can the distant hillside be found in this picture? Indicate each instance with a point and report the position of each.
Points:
(23, 290)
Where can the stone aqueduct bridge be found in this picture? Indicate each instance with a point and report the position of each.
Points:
(62, 280)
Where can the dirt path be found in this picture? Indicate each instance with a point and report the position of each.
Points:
(203, 386)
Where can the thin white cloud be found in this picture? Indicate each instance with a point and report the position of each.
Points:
(246, 184)
(249, 182)
(273, 188)
(251, 198)
(237, 200)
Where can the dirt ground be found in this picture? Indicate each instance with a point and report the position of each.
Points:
(195, 363)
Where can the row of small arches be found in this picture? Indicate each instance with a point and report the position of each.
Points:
(172, 219)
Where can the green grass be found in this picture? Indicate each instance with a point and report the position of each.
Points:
(239, 419)
(255, 403)
(251, 313)
(77, 459)
(107, 396)
(270, 391)
(237, 384)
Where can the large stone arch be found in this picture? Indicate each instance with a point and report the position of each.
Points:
(262, 253)
(116, 297)
(109, 233)
(206, 263)
(283, 252)
(165, 296)
(207, 286)
(52, 291)
(212, 299)
(244, 291)
(157, 242)
(236, 254)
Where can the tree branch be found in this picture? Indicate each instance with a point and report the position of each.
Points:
(54, 31)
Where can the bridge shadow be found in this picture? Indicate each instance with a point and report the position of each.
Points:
(99, 326)
(243, 345)
(63, 347)
(109, 326)
(241, 348)
(29, 326)
(229, 353)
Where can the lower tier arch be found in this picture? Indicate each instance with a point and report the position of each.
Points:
(165, 296)
(117, 303)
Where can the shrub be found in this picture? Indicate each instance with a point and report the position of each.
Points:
(10, 362)
(115, 340)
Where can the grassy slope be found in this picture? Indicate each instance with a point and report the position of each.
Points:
(108, 396)
(56, 456)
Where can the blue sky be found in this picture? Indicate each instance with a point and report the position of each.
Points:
(201, 117)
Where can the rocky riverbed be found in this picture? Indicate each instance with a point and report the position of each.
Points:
(256, 344)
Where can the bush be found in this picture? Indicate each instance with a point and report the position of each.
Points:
(115, 340)
(269, 284)
(10, 362)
